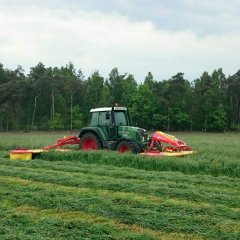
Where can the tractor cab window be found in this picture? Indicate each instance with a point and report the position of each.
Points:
(94, 120)
(120, 118)
(104, 119)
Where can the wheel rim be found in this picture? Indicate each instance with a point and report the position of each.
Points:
(123, 149)
(89, 144)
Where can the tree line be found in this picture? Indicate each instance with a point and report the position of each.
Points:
(60, 98)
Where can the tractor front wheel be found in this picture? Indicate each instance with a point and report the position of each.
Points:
(128, 146)
(90, 141)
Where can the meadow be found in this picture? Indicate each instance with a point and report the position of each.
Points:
(107, 195)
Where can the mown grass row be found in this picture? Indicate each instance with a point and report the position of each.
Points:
(81, 206)
(154, 213)
(104, 177)
(105, 195)
(200, 163)
(159, 207)
(192, 188)
(30, 222)
(125, 173)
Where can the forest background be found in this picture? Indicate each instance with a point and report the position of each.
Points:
(59, 98)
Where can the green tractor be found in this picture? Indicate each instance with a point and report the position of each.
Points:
(110, 128)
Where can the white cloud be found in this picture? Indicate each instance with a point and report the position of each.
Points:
(93, 40)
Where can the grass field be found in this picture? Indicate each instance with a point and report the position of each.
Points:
(105, 195)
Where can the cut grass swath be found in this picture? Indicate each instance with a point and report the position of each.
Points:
(105, 195)
(198, 164)
(119, 206)
(139, 199)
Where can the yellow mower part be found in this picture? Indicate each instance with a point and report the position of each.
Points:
(167, 154)
(28, 154)
(177, 154)
(21, 156)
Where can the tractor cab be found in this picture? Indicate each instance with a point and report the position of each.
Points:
(110, 119)
(110, 128)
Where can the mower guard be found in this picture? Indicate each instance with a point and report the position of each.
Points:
(162, 144)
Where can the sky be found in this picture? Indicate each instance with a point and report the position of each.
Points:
(163, 37)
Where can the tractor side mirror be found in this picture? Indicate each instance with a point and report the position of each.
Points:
(107, 115)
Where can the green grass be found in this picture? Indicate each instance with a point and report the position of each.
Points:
(106, 195)
(13, 140)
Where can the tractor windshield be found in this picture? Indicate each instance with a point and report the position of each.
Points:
(121, 118)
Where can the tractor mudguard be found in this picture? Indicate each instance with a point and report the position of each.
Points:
(94, 131)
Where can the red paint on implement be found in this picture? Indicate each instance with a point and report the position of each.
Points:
(21, 151)
(64, 141)
(177, 145)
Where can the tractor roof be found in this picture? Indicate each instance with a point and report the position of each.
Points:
(105, 109)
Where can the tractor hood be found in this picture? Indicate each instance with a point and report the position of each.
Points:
(136, 133)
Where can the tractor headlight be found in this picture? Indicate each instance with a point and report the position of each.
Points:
(143, 134)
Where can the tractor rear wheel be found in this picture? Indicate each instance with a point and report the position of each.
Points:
(128, 146)
(90, 141)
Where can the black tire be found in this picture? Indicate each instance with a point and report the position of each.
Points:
(90, 141)
(127, 146)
